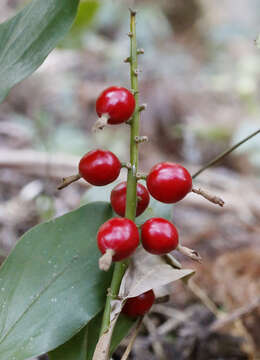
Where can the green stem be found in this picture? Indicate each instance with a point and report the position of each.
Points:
(119, 270)
(120, 267)
(224, 153)
(131, 179)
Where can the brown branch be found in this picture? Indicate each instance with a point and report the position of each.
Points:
(132, 339)
(156, 344)
(202, 295)
(192, 254)
(235, 315)
(68, 180)
(212, 198)
(170, 260)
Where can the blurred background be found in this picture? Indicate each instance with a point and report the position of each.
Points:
(200, 79)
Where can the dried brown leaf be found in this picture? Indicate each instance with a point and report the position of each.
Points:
(145, 272)
(148, 271)
(103, 345)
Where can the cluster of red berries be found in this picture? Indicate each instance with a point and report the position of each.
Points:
(167, 182)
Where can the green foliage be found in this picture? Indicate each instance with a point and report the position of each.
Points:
(74, 349)
(28, 38)
(86, 14)
(51, 285)
(122, 328)
(82, 345)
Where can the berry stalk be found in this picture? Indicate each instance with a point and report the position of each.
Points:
(131, 197)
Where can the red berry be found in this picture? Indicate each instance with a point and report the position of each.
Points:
(117, 103)
(139, 305)
(159, 236)
(118, 198)
(99, 167)
(120, 235)
(169, 182)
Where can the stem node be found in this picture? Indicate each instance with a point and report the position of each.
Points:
(142, 107)
(140, 176)
(141, 139)
(140, 51)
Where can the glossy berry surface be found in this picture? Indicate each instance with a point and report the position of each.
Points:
(169, 182)
(118, 103)
(139, 305)
(99, 167)
(159, 236)
(120, 235)
(118, 198)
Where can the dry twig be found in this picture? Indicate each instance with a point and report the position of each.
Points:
(157, 346)
(212, 198)
(132, 339)
(235, 315)
(68, 180)
(192, 254)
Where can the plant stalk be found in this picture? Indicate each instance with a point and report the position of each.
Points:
(131, 199)
(131, 178)
(224, 154)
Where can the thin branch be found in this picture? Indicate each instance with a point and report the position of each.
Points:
(235, 315)
(212, 198)
(68, 180)
(192, 254)
(202, 295)
(156, 345)
(225, 153)
(132, 339)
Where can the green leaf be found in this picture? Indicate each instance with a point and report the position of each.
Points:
(86, 13)
(50, 285)
(82, 345)
(28, 38)
(122, 328)
(74, 349)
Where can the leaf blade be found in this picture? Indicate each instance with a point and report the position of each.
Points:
(28, 38)
(74, 349)
(62, 277)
